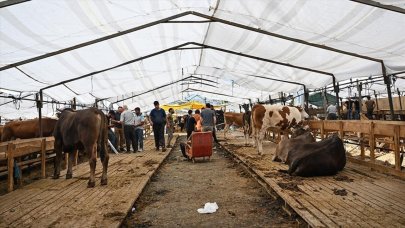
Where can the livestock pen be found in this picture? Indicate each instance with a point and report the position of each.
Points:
(358, 196)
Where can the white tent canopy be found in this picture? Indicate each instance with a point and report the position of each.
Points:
(233, 50)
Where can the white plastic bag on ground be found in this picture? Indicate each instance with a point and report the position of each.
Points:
(208, 208)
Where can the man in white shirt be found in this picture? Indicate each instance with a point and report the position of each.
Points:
(127, 120)
(139, 122)
(331, 111)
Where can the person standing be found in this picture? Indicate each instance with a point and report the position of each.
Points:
(119, 132)
(356, 106)
(190, 123)
(207, 118)
(370, 104)
(214, 130)
(158, 122)
(197, 118)
(331, 111)
(139, 122)
(111, 135)
(170, 127)
(128, 119)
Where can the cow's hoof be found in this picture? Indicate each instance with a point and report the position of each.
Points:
(103, 181)
(91, 184)
(55, 176)
(69, 176)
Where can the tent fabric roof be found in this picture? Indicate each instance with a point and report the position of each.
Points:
(290, 32)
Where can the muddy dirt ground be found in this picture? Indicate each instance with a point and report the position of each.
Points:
(180, 187)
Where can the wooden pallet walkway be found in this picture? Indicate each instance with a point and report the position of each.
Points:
(69, 203)
(367, 199)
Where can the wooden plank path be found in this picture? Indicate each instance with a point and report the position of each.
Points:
(69, 203)
(356, 197)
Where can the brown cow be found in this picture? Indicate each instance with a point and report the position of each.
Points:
(27, 129)
(265, 116)
(322, 158)
(239, 120)
(83, 129)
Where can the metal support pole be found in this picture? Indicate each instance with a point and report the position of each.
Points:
(74, 103)
(399, 97)
(306, 98)
(39, 106)
(359, 85)
(336, 90)
(388, 83)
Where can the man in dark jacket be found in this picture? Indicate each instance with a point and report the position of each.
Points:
(158, 122)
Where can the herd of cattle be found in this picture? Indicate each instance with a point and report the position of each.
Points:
(86, 131)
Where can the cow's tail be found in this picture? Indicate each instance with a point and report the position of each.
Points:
(103, 137)
(247, 116)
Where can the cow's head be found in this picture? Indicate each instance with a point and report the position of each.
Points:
(298, 130)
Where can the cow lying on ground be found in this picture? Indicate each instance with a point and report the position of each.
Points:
(323, 158)
(239, 120)
(286, 145)
(84, 130)
(27, 129)
(265, 116)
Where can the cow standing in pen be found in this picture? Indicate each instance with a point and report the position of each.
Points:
(265, 116)
(83, 130)
(27, 129)
(239, 120)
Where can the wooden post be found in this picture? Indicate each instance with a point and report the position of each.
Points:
(322, 130)
(372, 142)
(10, 166)
(396, 148)
(362, 153)
(43, 157)
(342, 134)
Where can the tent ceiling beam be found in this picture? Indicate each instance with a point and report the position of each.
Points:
(104, 38)
(189, 22)
(381, 6)
(148, 91)
(11, 2)
(167, 19)
(117, 66)
(175, 48)
(263, 59)
(215, 19)
(204, 91)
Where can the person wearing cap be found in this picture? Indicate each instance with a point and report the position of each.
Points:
(158, 122)
(139, 122)
(128, 120)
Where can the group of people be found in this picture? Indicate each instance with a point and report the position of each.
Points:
(127, 125)
(353, 109)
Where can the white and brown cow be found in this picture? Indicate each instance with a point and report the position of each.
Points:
(265, 116)
(239, 120)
